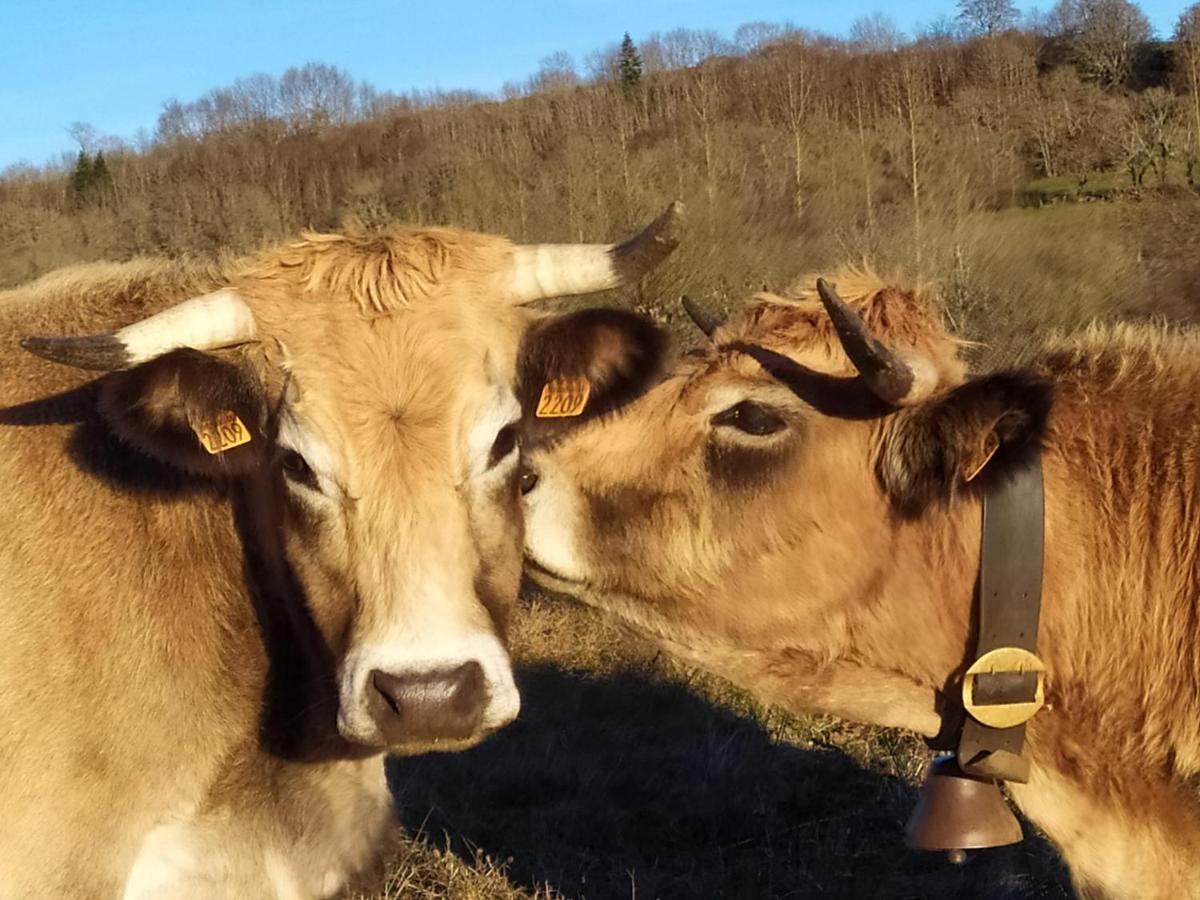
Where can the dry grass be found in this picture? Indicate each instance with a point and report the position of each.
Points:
(627, 776)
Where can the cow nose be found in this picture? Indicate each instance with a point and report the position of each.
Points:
(426, 707)
(529, 479)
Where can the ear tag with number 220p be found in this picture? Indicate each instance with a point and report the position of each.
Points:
(564, 397)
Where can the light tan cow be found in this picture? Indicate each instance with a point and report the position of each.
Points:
(204, 655)
(807, 530)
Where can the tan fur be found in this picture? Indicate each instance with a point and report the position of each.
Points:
(137, 668)
(803, 586)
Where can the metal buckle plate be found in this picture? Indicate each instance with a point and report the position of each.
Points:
(1004, 660)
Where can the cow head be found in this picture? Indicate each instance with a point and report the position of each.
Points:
(770, 496)
(368, 391)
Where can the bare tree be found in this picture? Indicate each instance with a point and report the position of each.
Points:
(257, 98)
(1103, 35)
(876, 32)
(316, 95)
(987, 16)
(753, 35)
(683, 48)
(794, 81)
(555, 72)
(1187, 55)
(601, 65)
(1151, 129)
(940, 31)
(860, 121)
(909, 89)
(85, 135)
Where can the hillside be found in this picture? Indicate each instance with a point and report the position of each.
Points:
(799, 153)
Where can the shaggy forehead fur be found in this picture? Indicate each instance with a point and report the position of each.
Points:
(387, 336)
(382, 272)
(797, 326)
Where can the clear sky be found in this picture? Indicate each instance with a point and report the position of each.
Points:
(114, 63)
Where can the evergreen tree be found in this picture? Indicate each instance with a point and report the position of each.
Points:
(101, 178)
(629, 65)
(81, 175)
(89, 178)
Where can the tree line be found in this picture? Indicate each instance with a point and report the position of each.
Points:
(858, 148)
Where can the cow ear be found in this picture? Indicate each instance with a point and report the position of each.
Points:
(966, 439)
(575, 367)
(200, 413)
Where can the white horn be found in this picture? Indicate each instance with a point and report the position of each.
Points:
(560, 270)
(219, 319)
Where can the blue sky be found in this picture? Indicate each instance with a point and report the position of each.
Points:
(113, 64)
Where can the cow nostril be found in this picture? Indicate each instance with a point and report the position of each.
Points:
(529, 479)
(426, 707)
(385, 687)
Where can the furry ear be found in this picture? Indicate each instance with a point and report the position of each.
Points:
(164, 406)
(619, 354)
(970, 436)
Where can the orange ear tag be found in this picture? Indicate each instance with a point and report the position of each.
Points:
(990, 445)
(564, 398)
(222, 432)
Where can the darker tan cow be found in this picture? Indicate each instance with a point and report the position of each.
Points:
(806, 528)
(272, 533)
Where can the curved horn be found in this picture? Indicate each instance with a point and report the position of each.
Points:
(706, 320)
(219, 319)
(560, 270)
(890, 376)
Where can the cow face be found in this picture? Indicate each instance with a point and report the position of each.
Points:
(365, 394)
(749, 501)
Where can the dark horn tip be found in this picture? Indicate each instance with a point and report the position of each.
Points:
(671, 221)
(886, 374)
(101, 353)
(650, 246)
(704, 319)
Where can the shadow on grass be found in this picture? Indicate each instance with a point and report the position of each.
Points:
(622, 786)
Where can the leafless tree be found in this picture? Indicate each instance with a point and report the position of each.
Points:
(987, 16)
(753, 35)
(85, 135)
(875, 32)
(1103, 34)
(555, 72)
(316, 95)
(1151, 132)
(1187, 55)
(940, 31)
(601, 65)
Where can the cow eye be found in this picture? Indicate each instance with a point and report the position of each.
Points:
(505, 443)
(750, 418)
(296, 469)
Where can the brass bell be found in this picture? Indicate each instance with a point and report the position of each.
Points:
(958, 812)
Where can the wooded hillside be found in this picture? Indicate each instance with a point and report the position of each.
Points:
(792, 150)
